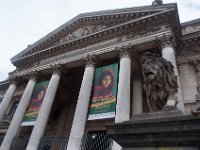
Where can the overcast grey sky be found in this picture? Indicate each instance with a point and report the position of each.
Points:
(25, 21)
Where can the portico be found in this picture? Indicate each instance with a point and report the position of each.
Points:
(68, 60)
(79, 123)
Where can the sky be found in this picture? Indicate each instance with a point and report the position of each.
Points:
(23, 22)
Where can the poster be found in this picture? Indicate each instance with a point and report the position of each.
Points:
(104, 92)
(35, 103)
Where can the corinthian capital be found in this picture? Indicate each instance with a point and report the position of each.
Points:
(33, 75)
(90, 60)
(125, 51)
(57, 68)
(167, 40)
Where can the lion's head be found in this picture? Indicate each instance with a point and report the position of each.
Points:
(159, 80)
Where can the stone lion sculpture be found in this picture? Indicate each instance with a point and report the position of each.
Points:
(160, 82)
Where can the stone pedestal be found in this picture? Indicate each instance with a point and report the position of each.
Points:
(163, 129)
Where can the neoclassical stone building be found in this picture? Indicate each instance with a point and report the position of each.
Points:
(67, 58)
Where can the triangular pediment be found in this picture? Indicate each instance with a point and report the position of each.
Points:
(90, 23)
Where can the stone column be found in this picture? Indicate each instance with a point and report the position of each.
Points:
(7, 99)
(123, 95)
(168, 53)
(19, 115)
(45, 109)
(137, 102)
(81, 111)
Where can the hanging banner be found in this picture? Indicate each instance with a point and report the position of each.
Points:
(35, 103)
(103, 99)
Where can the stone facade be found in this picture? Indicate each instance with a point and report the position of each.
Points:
(115, 36)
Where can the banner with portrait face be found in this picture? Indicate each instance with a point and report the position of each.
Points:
(104, 92)
(35, 103)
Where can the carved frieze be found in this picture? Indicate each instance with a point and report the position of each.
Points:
(192, 51)
(147, 31)
(190, 46)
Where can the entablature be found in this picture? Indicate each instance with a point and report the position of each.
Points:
(107, 17)
(189, 48)
(132, 28)
(74, 58)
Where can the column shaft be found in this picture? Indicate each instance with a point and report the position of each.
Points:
(45, 109)
(169, 54)
(6, 100)
(18, 116)
(80, 116)
(123, 95)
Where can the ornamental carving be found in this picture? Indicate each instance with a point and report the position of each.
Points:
(83, 31)
(13, 81)
(90, 60)
(147, 31)
(57, 68)
(167, 40)
(159, 82)
(33, 75)
(125, 51)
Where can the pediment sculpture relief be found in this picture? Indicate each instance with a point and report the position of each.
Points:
(159, 82)
(83, 31)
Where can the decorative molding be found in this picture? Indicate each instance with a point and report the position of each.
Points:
(188, 59)
(13, 81)
(147, 31)
(189, 46)
(98, 36)
(77, 55)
